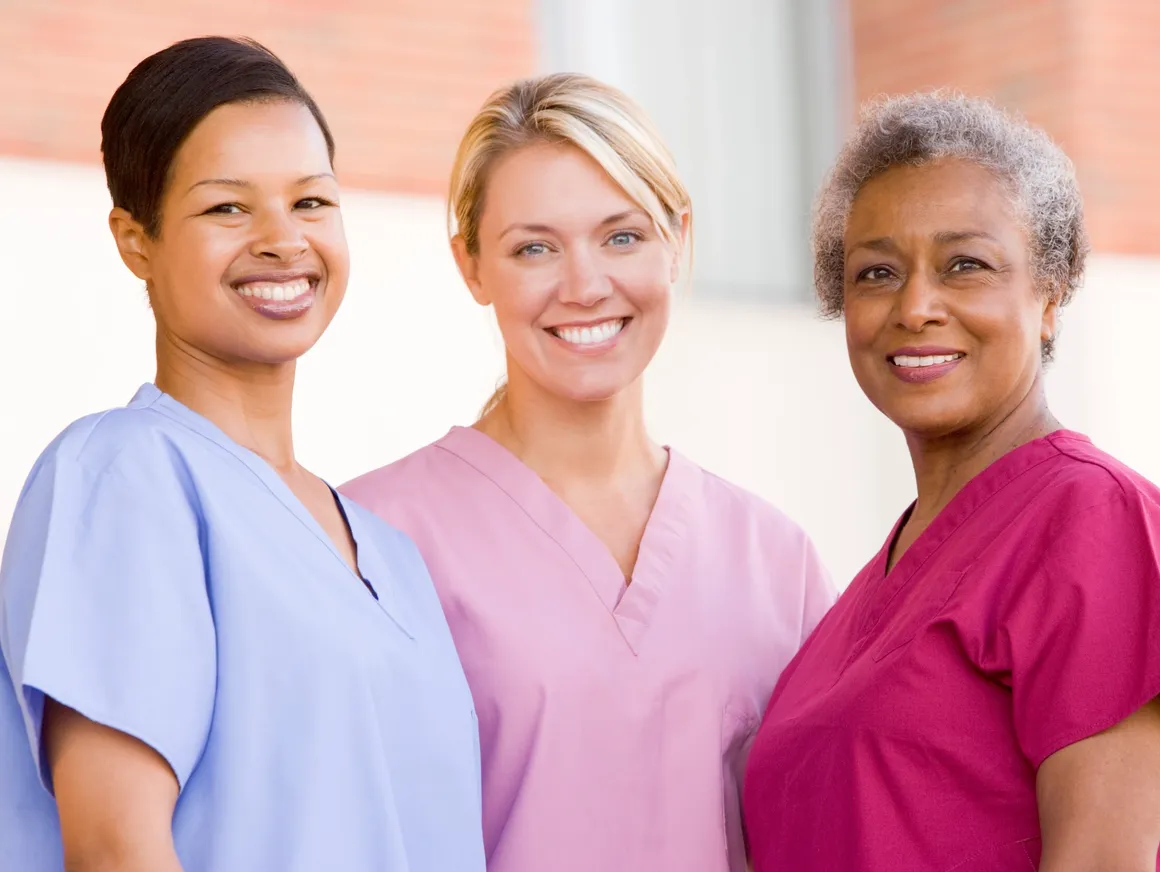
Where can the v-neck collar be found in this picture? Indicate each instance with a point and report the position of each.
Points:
(151, 396)
(883, 587)
(630, 605)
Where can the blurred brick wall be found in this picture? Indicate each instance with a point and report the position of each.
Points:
(397, 79)
(1086, 70)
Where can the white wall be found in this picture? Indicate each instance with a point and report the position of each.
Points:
(760, 395)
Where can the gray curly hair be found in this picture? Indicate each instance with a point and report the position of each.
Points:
(918, 128)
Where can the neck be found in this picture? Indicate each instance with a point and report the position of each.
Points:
(943, 465)
(565, 440)
(250, 403)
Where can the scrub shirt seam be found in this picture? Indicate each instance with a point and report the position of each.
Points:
(886, 606)
(223, 448)
(1087, 461)
(100, 419)
(526, 513)
(155, 406)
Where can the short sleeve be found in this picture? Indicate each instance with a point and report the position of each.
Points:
(1082, 634)
(104, 605)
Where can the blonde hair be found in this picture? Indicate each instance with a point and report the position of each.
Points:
(566, 109)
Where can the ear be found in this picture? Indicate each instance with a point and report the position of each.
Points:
(1049, 327)
(686, 220)
(132, 242)
(469, 268)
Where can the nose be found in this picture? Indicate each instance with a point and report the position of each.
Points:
(585, 282)
(279, 237)
(920, 303)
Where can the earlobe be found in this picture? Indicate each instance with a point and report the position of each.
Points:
(132, 243)
(1050, 324)
(469, 268)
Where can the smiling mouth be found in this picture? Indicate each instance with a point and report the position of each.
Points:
(281, 292)
(279, 300)
(910, 362)
(593, 334)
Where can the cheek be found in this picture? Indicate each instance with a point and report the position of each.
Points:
(329, 240)
(645, 282)
(194, 262)
(863, 323)
(519, 294)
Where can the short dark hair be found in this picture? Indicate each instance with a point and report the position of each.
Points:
(167, 95)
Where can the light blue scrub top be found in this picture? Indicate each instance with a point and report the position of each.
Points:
(163, 580)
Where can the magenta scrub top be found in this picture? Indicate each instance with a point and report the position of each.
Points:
(614, 720)
(907, 732)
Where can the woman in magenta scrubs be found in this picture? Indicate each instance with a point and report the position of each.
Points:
(983, 696)
(621, 613)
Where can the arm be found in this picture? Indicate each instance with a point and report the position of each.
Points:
(115, 796)
(1099, 799)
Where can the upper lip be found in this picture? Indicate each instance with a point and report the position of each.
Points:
(924, 351)
(591, 323)
(278, 276)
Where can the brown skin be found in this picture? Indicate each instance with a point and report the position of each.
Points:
(220, 358)
(936, 256)
(561, 243)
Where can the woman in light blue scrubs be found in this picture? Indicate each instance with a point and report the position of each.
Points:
(213, 661)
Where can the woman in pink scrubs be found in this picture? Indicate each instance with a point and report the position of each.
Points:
(984, 695)
(621, 613)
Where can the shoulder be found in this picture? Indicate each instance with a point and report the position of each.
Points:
(406, 480)
(739, 509)
(136, 444)
(1085, 479)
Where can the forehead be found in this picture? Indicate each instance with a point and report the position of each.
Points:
(940, 196)
(249, 140)
(551, 184)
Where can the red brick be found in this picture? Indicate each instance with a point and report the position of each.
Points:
(1086, 70)
(397, 79)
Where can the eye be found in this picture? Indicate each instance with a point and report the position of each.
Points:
(624, 238)
(312, 203)
(224, 209)
(966, 264)
(531, 249)
(874, 274)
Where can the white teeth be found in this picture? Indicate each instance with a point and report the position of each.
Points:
(931, 360)
(590, 335)
(277, 291)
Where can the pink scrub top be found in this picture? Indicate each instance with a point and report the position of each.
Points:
(614, 719)
(907, 733)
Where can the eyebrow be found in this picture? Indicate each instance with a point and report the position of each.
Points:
(241, 183)
(883, 243)
(943, 237)
(948, 236)
(546, 228)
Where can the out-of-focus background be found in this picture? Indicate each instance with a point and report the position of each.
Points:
(754, 97)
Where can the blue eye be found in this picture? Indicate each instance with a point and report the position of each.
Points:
(531, 249)
(624, 238)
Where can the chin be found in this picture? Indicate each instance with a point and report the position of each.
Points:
(275, 352)
(927, 423)
(591, 393)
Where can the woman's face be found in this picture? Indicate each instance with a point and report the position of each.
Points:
(944, 322)
(251, 262)
(579, 277)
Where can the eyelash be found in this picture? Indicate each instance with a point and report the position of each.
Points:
(221, 208)
(974, 262)
(635, 235)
